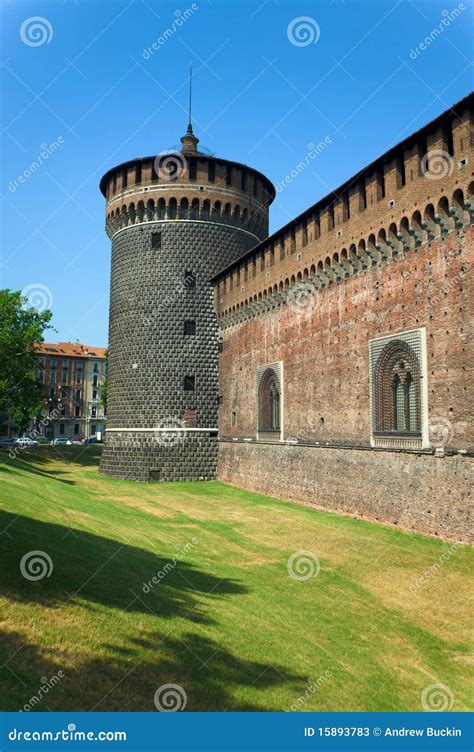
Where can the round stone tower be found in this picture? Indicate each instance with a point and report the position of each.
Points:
(174, 220)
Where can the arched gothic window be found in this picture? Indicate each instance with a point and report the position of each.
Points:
(397, 390)
(269, 403)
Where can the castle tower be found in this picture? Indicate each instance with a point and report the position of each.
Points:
(174, 220)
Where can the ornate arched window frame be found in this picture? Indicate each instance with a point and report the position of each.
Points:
(270, 402)
(398, 390)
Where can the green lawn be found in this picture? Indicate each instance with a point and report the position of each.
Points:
(227, 623)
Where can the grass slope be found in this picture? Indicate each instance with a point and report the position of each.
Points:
(226, 623)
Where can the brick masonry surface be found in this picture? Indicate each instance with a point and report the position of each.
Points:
(421, 492)
(149, 353)
(322, 341)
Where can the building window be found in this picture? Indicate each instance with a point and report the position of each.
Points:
(156, 240)
(396, 389)
(78, 378)
(228, 175)
(93, 411)
(79, 366)
(124, 178)
(211, 172)
(64, 377)
(190, 327)
(95, 368)
(94, 394)
(243, 184)
(233, 419)
(95, 380)
(76, 428)
(41, 377)
(189, 383)
(93, 429)
(61, 428)
(77, 394)
(269, 400)
(77, 412)
(189, 280)
(192, 169)
(138, 173)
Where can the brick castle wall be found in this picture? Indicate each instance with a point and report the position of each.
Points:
(418, 492)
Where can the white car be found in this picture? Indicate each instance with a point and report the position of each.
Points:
(26, 441)
(61, 441)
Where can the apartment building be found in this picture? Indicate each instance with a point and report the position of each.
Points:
(73, 375)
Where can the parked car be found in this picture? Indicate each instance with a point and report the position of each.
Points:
(5, 442)
(90, 440)
(61, 441)
(26, 441)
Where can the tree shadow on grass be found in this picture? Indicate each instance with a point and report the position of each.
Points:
(135, 645)
(205, 676)
(77, 566)
(12, 465)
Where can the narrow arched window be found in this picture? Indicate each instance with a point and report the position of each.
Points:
(269, 404)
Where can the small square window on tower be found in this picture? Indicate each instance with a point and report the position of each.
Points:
(189, 383)
(190, 327)
(156, 240)
(189, 280)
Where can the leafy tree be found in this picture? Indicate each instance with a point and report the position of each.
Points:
(21, 394)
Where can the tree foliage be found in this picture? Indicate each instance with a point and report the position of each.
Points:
(21, 393)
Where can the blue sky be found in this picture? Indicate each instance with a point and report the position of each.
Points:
(353, 74)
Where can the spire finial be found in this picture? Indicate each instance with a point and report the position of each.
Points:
(189, 140)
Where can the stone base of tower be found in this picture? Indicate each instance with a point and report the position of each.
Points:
(165, 457)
